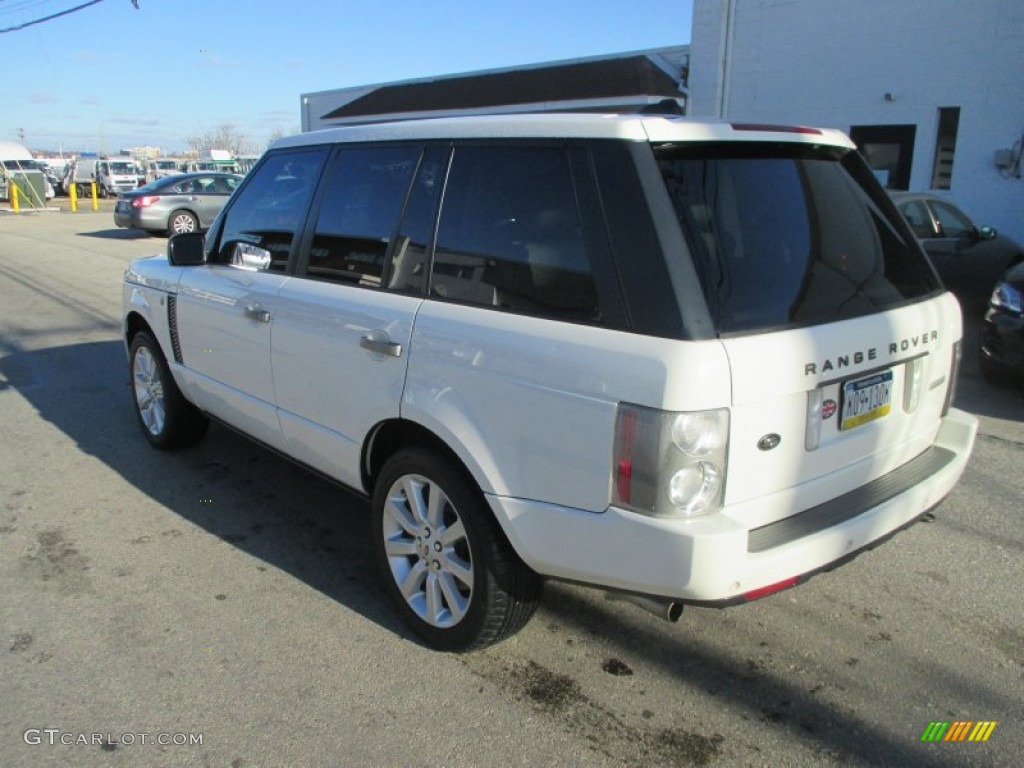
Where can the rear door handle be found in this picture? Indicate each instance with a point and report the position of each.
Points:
(379, 342)
(257, 313)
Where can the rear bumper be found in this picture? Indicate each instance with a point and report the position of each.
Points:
(716, 559)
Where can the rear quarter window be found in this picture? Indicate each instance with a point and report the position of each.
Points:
(511, 235)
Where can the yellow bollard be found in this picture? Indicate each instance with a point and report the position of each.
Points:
(95, 198)
(14, 195)
(73, 193)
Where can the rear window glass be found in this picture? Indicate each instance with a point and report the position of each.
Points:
(789, 235)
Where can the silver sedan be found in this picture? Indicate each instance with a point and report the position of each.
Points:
(188, 202)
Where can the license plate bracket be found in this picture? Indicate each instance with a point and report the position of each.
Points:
(865, 399)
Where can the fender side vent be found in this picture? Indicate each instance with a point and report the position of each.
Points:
(172, 325)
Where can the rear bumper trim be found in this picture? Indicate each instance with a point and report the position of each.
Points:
(849, 505)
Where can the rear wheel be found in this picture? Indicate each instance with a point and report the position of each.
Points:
(454, 577)
(168, 420)
(182, 221)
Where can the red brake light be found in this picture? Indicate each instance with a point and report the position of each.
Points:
(774, 128)
(625, 435)
(145, 201)
(754, 594)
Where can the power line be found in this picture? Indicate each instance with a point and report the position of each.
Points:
(52, 16)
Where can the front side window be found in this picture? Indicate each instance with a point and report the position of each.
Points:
(359, 214)
(510, 234)
(916, 214)
(272, 206)
(789, 235)
(952, 221)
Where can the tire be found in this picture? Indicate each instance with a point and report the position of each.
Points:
(446, 564)
(167, 419)
(181, 221)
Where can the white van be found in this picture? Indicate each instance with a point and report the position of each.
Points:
(683, 361)
(162, 167)
(116, 175)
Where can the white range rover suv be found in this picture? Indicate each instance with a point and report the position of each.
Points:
(682, 361)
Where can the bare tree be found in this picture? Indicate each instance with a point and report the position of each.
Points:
(224, 136)
(279, 133)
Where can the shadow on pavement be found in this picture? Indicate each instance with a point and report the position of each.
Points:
(262, 504)
(118, 234)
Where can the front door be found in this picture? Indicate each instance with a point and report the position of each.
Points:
(227, 310)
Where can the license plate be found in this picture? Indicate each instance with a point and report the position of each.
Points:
(866, 399)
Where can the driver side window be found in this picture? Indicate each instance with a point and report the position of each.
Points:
(952, 221)
(271, 208)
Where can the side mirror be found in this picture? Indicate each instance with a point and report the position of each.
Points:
(987, 233)
(187, 249)
(248, 256)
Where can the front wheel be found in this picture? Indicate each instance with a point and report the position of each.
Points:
(168, 420)
(182, 221)
(454, 577)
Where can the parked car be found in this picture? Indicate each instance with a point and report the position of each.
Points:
(577, 347)
(188, 202)
(969, 258)
(1002, 334)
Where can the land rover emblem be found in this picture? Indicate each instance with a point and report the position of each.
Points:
(768, 442)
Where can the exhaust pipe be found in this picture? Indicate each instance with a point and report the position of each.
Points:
(669, 610)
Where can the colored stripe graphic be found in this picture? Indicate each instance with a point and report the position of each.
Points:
(959, 730)
(982, 731)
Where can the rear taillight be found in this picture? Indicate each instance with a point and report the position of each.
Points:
(954, 377)
(145, 201)
(625, 434)
(669, 464)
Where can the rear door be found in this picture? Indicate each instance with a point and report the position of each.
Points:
(343, 325)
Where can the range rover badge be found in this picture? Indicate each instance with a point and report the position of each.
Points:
(768, 442)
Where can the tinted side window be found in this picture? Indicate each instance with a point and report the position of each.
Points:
(917, 216)
(408, 263)
(510, 234)
(952, 221)
(272, 205)
(359, 214)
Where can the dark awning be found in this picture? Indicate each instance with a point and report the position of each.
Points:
(593, 80)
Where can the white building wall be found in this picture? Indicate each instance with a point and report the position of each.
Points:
(831, 62)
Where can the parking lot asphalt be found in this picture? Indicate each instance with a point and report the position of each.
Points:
(225, 596)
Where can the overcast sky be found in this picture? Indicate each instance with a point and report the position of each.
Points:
(110, 76)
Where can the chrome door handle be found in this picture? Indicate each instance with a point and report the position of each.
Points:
(378, 341)
(255, 312)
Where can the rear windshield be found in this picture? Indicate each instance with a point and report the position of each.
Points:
(786, 235)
